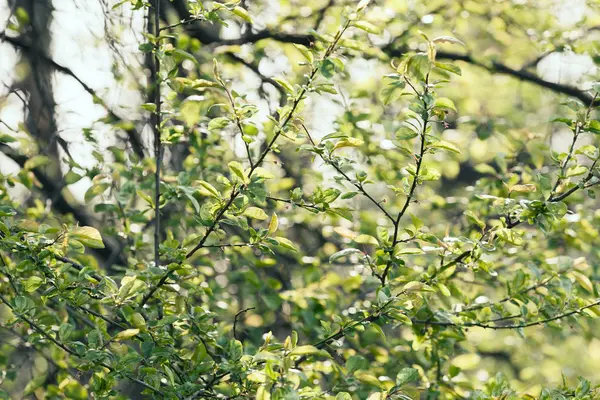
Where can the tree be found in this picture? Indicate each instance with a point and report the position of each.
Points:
(309, 234)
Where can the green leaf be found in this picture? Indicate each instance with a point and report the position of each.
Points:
(327, 68)
(95, 190)
(32, 283)
(527, 188)
(583, 281)
(444, 103)
(343, 253)
(5, 138)
(402, 251)
(442, 144)
(261, 172)
(285, 242)
(448, 39)
(88, 236)
(238, 170)
(367, 27)
(304, 350)
(348, 142)
(242, 13)
(366, 239)
(449, 67)
(71, 177)
(285, 84)
(65, 330)
(405, 133)
(218, 123)
(126, 334)
(406, 375)
(593, 126)
(362, 4)
(305, 52)
(369, 379)
(576, 170)
(36, 161)
(185, 55)
(206, 189)
(256, 213)
(474, 219)
(273, 224)
(416, 286)
(149, 107)
(146, 198)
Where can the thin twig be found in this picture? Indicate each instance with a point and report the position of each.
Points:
(311, 207)
(235, 319)
(579, 125)
(156, 119)
(238, 122)
(514, 326)
(356, 184)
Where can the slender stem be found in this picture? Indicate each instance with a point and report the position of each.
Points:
(311, 207)
(474, 307)
(156, 122)
(238, 122)
(235, 319)
(513, 326)
(356, 184)
(419, 163)
(585, 180)
(415, 182)
(219, 245)
(180, 23)
(76, 265)
(579, 125)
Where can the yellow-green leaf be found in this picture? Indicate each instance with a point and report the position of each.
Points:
(442, 144)
(88, 236)
(348, 142)
(444, 103)
(367, 27)
(206, 189)
(273, 224)
(285, 242)
(523, 188)
(126, 334)
(402, 251)
(304, 350)
(256, 213)
(366, 239)
(242, 13)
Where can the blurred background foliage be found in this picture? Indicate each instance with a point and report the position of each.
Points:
(76, 142)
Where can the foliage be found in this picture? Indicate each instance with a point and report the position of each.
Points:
(354, 272)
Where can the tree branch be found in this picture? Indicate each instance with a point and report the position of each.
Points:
(513, 326)
(155, 82)
(133, 135)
